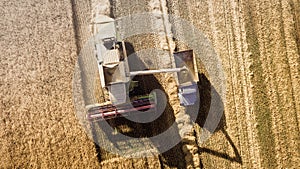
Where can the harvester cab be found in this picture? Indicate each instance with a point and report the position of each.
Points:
(116, 77)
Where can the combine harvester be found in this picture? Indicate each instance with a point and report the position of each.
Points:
(116, 77)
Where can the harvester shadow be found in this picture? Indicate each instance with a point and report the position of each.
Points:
(237, 158)
(205, 91)
(217, 114)
(132, 129)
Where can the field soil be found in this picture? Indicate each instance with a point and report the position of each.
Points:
(257, 41)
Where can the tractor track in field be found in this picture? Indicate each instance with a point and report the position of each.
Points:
(260, 55)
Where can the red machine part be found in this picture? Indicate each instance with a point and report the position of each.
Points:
(111, 111)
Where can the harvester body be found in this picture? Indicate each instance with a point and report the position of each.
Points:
(116, 77)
